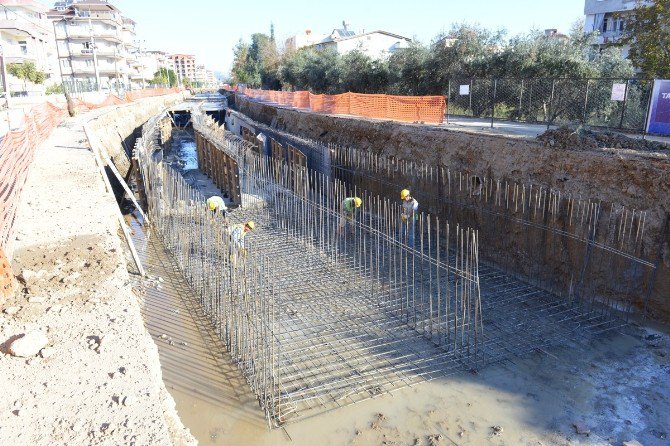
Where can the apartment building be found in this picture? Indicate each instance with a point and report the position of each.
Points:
(152, 61)
(95, 46)
(26, 35)
(184, 65)
(608, 18)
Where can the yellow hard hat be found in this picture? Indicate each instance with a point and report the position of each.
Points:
(251, 225)
(358, 202)
(404, 194)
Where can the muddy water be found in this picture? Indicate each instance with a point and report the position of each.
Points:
(182, 153)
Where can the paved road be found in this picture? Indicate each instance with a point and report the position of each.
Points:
(516, 129)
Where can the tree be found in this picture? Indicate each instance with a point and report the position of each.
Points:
(408, 74)
(648, 34)
(164, 76)
(26, 72)
(243, 71)
(360, 73)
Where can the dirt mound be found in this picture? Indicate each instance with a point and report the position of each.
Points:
(582, 139)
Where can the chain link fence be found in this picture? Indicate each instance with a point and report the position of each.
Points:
(605, 102)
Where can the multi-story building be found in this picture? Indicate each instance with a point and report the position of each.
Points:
(184, 65)
(152, 61)
(608, 19)
(26, 35)
(95, 45)
(204, 77)
(375, 44)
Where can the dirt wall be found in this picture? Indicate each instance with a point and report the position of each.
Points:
(638, 180)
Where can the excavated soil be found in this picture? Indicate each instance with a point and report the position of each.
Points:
(567, 138)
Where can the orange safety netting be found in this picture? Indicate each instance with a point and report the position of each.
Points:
(6, 276)
(17, 149)
(381, 106)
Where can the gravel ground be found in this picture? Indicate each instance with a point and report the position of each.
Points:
(97, 380)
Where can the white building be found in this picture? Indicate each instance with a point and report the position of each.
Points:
(306, 38)
(152, 61)
(376, 44)
(608, 18)
(95, 45)
(26, 35)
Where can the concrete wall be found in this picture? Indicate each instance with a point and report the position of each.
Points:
(637, 180)
(116, 127)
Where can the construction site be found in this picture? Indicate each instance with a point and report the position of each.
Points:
(525, 302)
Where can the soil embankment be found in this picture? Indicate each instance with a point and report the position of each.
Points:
(98, 379)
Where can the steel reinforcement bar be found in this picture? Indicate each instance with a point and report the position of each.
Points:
(325, 310)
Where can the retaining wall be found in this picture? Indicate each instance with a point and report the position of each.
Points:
(116, 128)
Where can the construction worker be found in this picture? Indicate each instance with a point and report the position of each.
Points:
(237, 237)
(409, 215)
(216, 204)
(349, 206)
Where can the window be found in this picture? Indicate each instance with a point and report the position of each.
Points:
(613, 23)
(23, 47)
(66, 63)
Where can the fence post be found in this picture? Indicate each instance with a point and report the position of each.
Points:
(551, 102)
(448, 96)
(623, 106)
(471, 83)
(520, 99)
(646, 113)
(586, 101)
(493, 103)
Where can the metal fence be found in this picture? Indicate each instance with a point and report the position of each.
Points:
(553, 101)
(76, 87)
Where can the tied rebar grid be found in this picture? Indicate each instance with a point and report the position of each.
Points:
(556, 265)
(319, 315)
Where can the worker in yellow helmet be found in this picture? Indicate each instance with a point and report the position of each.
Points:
(349, 206)
(409, 215)
(237, 237)
(216, 204)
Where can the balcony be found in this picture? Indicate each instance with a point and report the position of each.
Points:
(21, 27)
(101, 52)
(608, 37)
(80, 33)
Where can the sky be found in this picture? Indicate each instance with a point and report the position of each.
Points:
(211, 28)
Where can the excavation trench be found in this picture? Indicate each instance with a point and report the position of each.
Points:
(317, 317)
(212, 393)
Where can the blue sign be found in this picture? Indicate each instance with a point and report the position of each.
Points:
(659, 113)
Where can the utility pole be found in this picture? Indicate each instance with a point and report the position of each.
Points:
(5, 82)
(139, 59)
(116, 68)
(60, 66)
(95, 53)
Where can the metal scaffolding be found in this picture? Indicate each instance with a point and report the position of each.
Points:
(326, 309)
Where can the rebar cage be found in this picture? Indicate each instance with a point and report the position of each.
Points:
(327, 308)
